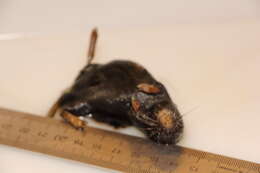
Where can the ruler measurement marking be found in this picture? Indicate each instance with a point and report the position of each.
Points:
(56, 138)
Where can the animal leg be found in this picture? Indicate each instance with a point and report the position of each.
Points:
(70, 110)
(56, 106)
(53, 110)
(73, 120)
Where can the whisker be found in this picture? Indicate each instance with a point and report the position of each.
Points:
(147, 121)
(149, 129)
(188, 112)
(150, 119)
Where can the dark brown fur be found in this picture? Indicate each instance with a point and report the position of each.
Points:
(122, 93)
(106, 91)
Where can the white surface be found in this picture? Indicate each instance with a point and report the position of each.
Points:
(63, 15)
(212, 68)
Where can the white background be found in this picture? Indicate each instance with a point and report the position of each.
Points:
(64, 15)
(205, 52)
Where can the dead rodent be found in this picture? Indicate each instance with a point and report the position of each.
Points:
(121, 93)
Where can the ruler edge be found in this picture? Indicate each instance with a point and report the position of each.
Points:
(102, 164)
(239, 163)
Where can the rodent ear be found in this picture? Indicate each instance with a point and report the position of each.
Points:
(148, 88)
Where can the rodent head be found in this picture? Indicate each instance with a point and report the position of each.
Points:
(158, 117)
(170, 125)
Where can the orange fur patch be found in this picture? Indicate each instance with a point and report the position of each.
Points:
(135, 104)
(165, 118)
(148, 88)
(73, 120)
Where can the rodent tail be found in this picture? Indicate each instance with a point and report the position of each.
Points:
(92, 45)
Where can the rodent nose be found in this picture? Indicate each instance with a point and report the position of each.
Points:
(165, 117)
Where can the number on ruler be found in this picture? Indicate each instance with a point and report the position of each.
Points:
(116, 151)
(42, 134)
(78, 142)
(97, 146)
(24, 130)
(6, 126)
(60, 138)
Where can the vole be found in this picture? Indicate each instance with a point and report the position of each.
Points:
(121, 93)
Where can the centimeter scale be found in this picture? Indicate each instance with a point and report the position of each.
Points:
(109, 149)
